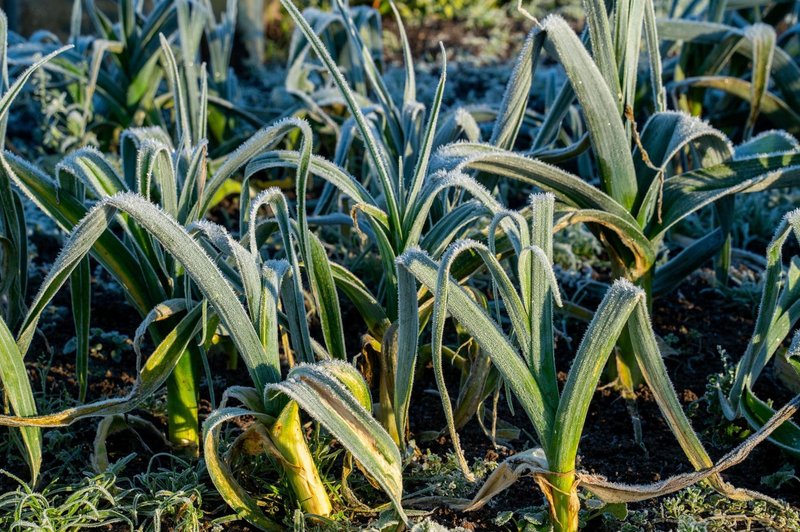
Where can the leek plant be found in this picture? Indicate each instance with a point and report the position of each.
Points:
(778, 314)
(393, 191)
(396, 157)
(177, 177)
(113, 75)
(524, 357)
(720, 59)
(332, 392)
(734, 73)
(646, 182)
(166, 270)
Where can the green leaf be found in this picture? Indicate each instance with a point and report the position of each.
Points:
(568, 188)
(327, 298)
(543, 288)
(515, 99)
(17, 388)
(664, 137)
(763, 38)
(757, 413)
(670, 275)
(13, 251)
(421, 168)
(367, 304)
(691, 191)
(597, 345)
(318, 390)
(183, 117)
(81, 298)
(773, 141)
(601, 109)
(410, 80)
(407, 345)
(629, 15)
(603, 49)
(91, 168)
(654, 54)
(617, 511)
(221, 475)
